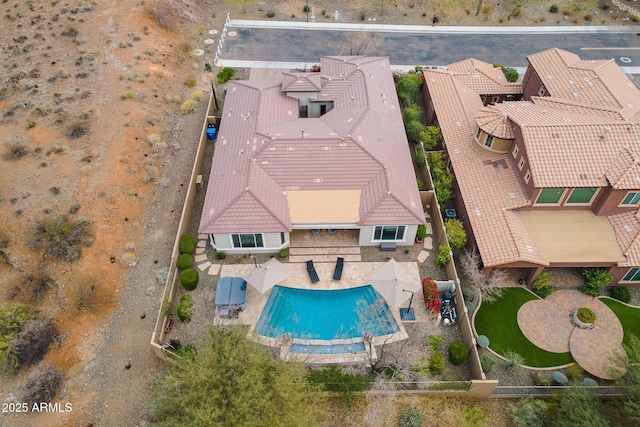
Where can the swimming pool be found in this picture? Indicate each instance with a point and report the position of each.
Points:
(325, 315)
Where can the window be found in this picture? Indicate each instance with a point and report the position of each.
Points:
(582, 196)
(521, 163)
(478, 134)
(495, 99)
(633, 275)
(550, 196)
(389, 232)
(542, 91)
(303, 111)
(282, 240)
(515, 152)
(631, 199)
(527, 176)
(323, 109)
(489, 141)
(247, 240)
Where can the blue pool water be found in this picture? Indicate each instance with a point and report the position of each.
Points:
(357, 347)
(325, 315)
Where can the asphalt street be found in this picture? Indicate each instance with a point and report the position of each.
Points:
(435, 47)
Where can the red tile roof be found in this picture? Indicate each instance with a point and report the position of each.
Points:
(483, 78)
(264, 149)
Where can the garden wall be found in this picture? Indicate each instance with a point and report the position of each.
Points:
(157, 338)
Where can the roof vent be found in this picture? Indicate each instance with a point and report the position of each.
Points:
(478, 213)
(512, 195)
(529, 248)
(628, 228)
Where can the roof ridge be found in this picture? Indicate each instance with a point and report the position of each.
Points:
(393, 196)
(564, 101)
(231, 203)
(366, 215)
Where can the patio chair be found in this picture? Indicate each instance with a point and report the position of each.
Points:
(313, 275)
(337, 273)
(315, 231)
(331, 231)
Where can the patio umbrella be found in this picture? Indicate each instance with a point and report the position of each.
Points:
(267, 275)
(394, 284)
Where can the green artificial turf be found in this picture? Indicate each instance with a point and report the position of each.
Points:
(628, 316)
(499, 322)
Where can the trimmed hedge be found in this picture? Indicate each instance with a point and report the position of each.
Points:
(187, 244)
(621, 293)
(189, 279)
(185, 261)
(185, 308)
(458, 352)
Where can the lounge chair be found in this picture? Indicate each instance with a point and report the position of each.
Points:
(315, 231)
(313, 275)
(331, 231)
(337, 273)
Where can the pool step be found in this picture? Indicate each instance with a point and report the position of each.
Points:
(324, 258)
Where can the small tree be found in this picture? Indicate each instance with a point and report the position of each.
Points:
(456, 235)
(414, 129)
(408, 88)
(412, 112)
(442, 178)
(489, 287)
(596, 278)
(511, 74)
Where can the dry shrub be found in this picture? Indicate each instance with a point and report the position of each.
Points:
(191, 81)
(42, 384)
(15, 151)
(152, 174)
(37, 285)
(156, 142)
(77, 130)
(163, 13)
(32, 342)
(4, 250)
(85, 295)
(197, 95)
(189, 106)
(62, 237)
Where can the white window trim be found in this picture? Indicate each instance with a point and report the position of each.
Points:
(247, 247)
(521, 163)
(515, 151)
(478, 133)
(404, 234)
(623, 205)
(581, 204)
(527, 176)
(562, 196)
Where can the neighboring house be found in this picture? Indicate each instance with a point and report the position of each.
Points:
(313, 151)
(554, 179)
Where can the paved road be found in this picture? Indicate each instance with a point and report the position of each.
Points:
(427, 45)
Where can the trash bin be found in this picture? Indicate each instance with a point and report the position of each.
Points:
(211, 132)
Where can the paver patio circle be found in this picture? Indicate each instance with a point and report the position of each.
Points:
(547, 324)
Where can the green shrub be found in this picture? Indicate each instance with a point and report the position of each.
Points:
(420, 184)
(586, 315)
(189, 106)
(606, 6)
(458, 352)
(189, 279)
(511, 74)
(436, 363)
(333, 378)
(208, 67)
(410, 417)
(411, 113)
(421, 158)
(188, 351)
(560, 378)
(434, 342)
(220, 255)
(187, 244)
(553, 8)
(128, 95)
(305, 8)
(224, 75)
(12, 320)
(456, 235)
(514, 360)
(574, 371)
(408, 88)
(442, 178)
(486, 9)
(488, 362)
(541, 286)
(621, 293)
(421, 232)
(284, 252)
(185, 261)
(471, 306)
(431, 137)
(444, 256)
(414, 128)
(474, 416)
(185, 307)
(596, 278)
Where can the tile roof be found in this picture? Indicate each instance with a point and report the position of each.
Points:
(599, 83)
(489, 186)
(483, 78)
(495, 122)
(627, 228)
(624, 171)
(264, 149)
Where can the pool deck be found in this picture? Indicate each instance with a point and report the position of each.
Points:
(354, 274)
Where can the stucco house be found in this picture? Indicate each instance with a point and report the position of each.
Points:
(312, 151)
(552, 179)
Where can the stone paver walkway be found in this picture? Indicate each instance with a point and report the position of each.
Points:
(547, 324)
